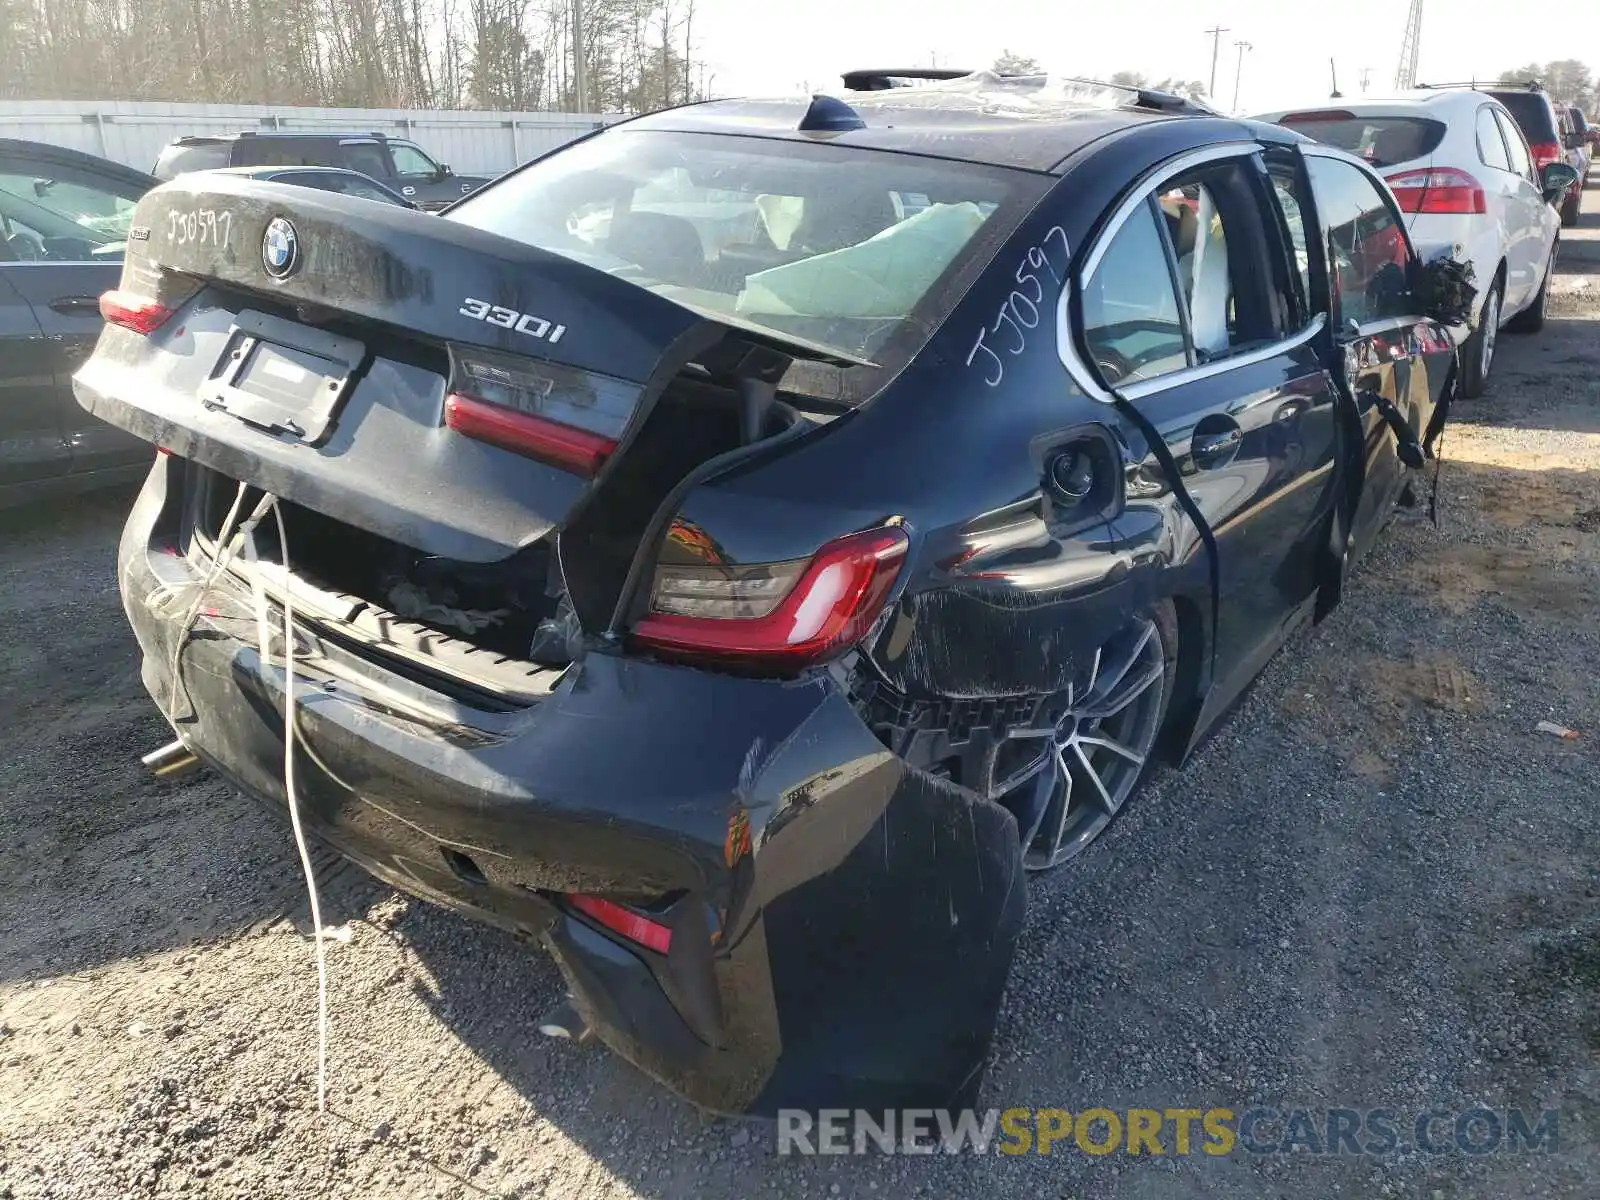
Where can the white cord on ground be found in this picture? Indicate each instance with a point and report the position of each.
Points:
(290, 735)
(294, 812)
(227, 545)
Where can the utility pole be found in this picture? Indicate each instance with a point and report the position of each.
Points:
(580, 73)
(1239, 72)
(1216, 33)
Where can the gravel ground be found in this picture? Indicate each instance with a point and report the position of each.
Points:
(1375, 887)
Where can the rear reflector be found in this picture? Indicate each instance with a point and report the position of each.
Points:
(1441, 190)
(138, 313)
(641, 930)
(571, 449)
(783, 615)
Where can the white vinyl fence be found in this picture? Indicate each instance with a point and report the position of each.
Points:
(133, 132)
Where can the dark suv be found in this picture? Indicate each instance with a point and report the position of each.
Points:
(401, 165)
(1550, 137)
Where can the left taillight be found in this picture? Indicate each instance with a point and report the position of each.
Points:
(780, 616)
(562, 416)
(131, 311)
(1442, 190)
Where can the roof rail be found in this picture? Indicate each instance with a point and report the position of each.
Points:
(881, 81)
(1143, 97)
(1533, 85)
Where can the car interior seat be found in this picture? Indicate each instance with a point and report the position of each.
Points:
(667, 247)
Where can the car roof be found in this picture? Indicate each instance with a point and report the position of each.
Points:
(284, 168)
(1031, 124)
(1371, 105)
(67, 157)
(298, 135)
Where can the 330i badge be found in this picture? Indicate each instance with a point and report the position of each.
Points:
(904, 478)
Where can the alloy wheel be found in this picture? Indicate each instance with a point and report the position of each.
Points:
(1097, 747)
(1491, 331)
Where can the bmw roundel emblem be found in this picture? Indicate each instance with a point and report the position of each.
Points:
(280, 248)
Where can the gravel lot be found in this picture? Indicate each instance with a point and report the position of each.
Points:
(1375, 887)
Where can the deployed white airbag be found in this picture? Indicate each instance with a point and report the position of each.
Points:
(882, 277)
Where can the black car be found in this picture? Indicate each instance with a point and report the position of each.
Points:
(325, 179)
(1551, 136)
(737, 546)
(63, 218)
(401, 165)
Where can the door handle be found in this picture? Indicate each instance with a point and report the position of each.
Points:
(1216, 447)
(72, 305)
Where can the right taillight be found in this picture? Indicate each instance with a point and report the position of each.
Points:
(1440, 190)
(781, 615)
(1544, 153)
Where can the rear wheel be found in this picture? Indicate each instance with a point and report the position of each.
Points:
(1102, 740)
(1531, 319)
(1477, 352)
(1569, 209)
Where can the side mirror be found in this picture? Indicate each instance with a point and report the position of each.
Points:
(1556, 180)
(444, 171)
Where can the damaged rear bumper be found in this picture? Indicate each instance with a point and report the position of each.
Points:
(842, 926)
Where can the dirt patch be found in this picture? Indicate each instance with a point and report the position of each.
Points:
(1458, 576)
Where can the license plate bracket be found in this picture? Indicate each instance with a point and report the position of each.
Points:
(282, 377)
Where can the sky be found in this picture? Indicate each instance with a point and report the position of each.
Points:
(756, 47)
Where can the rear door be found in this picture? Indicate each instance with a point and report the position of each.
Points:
(1536, 222)
(65, 225)
(1508, 206)
(1195, 311)
(33, 443)
(1390, 354)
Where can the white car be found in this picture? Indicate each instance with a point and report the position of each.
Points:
(1463, 177)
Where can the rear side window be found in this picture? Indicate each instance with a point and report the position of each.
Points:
(367, 157)
(1516, 146)
(1491, 145)
(278, 152)
(1381, 141)
(1367, 251)
(1131, 319)
(174, 160)
(1210, 242)
(1532, 112)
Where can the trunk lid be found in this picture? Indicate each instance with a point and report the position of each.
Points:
(317, 337)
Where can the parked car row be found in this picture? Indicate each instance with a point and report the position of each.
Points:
(1470, 170)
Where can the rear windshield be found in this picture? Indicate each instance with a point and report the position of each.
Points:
(1579, 121)
(850, 250)
(175, 160)
(1381, 141)
(1533, 114)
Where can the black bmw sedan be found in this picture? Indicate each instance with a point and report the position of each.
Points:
(734, 548)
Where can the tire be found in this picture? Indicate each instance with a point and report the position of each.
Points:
(1477, 352)
(1115, 747)
(1531, 319)
(1570, 207)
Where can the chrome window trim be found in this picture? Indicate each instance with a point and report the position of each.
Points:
(1080, 372)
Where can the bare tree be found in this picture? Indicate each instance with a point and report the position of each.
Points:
(504, 54)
